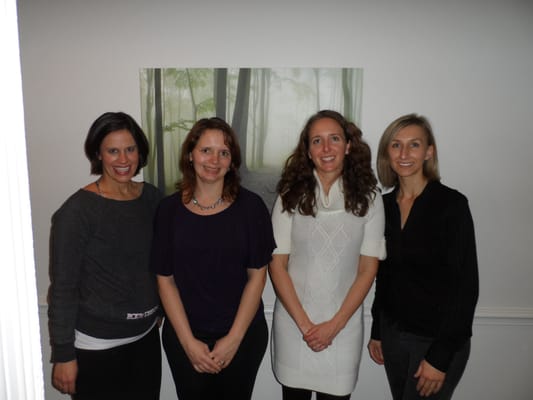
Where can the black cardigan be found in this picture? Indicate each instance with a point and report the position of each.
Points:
(428, 284)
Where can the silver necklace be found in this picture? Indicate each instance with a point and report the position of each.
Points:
(205, 208)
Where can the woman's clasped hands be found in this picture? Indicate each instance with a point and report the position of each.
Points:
(320, 336)
(212, 362)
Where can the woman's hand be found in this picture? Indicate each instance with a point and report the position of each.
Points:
(200, 357)
(320, 336)
(196, 350)
(224, 350)
(64, 376)
(286, 292)
(430, 379)
(376, 354)
(226, 347)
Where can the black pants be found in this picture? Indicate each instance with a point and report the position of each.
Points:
(403, 353)
(131, 371)
(235, 382)
(304, 394)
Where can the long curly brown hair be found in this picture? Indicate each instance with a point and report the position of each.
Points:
(297, 184)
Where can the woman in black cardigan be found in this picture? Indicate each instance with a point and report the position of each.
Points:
(427, 288)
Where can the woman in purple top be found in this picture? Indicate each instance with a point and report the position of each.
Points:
(212, 242)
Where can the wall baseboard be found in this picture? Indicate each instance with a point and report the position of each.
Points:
(504, 316)
(483, 316)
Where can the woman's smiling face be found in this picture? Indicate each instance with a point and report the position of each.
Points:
(211, 157)
(408, 150)
(327, 147)
(119, 155)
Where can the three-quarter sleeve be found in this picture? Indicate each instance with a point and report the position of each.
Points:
(282, 225)
(374, 236)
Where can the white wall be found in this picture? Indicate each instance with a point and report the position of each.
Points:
(466, 65)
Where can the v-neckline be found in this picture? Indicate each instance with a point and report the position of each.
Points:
(409, 213)
(403, 222)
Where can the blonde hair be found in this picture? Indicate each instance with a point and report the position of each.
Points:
(387, 176)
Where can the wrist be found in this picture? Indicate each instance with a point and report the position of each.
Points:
(338, 322)
(236, 334)
(305, 326)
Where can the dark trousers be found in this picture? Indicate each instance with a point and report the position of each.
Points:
(304, 394)
(235, 382)
(403, 353)
(131, 371)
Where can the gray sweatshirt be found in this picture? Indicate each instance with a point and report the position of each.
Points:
(101, 283)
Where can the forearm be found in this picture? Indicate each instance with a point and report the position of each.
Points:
(63, 295)
(454, 333)
(197, 351)
(375, 330)
(456, 325)
(320, 336)
(286, 293)
(366, 274)
(62, 311)
(175, 312)
(250, 300)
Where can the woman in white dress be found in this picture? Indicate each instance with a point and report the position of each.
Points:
(329, 228)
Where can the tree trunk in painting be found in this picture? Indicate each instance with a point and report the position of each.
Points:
(253, 129)
(347, 91)
(316, 71)
(240, 113)
(221, 79)
(158, 131)
(149, 126)
(264, 104)
(191, 93)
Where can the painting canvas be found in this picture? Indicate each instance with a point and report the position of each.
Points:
(267, 108)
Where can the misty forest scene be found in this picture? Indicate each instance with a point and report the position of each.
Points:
(267, 108)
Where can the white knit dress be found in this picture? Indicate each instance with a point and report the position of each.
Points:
(323, 260)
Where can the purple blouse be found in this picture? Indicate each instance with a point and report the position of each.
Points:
(209, 256)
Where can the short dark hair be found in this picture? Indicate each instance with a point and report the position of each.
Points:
(111, 122)
(232, 178)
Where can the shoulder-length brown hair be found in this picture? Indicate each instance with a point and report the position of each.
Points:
(232, 179)
(387, 176)
(297, 184)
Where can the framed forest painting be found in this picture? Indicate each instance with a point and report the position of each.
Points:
(267, 108)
